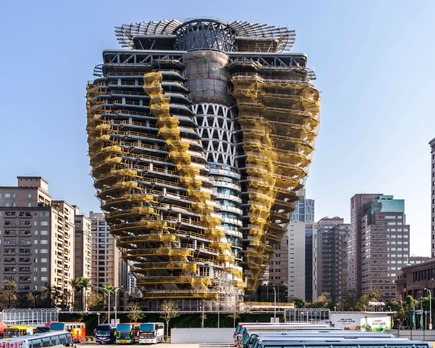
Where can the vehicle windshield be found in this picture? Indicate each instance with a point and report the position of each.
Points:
(103, 328)
(123, 334)
(57, 326)
(146, 327)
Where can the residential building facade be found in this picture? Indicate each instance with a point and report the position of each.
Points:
(384, 242)
(357, 203)
(291, 266)
(83, 250)
(200, 136)
(108, 268)
(37, 239)
(332, 255)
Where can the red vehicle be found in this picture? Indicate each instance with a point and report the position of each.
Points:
(77, 329)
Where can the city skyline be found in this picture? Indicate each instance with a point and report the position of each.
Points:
(372, 61)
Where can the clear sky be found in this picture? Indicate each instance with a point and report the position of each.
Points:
(374, 61)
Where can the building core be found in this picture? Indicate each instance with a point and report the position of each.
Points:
(200, 137)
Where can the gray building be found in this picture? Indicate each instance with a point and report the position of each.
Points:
(383, 239)
(357, 203)
(332, 255)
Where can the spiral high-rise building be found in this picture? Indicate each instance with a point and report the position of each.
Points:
(200, 136)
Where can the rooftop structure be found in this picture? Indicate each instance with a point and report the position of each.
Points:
(200, 136)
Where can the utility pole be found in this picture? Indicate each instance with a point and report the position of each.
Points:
(430, 308)
(274, 305)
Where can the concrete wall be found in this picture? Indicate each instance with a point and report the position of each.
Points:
(207, 78)
(212, 335)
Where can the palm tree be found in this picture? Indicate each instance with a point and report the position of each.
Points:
(78, 285)
(108, 289)
(86, 284)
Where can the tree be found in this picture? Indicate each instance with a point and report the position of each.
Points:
(78, 285)
(46, 297)
(299, 303)
(96, 302)
(56, 296)
(135, 312)
(170, 310)
(36, 295)
(408, 305)
(363, 302)
(349, 300)
(8, 297)
(323, 301)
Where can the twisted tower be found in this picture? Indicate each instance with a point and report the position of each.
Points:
(200, 136)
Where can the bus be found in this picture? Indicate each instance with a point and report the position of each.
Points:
(242, 331)
(151, 333)
(40, 340)
(253, 336)
(77, 329)
(127, 333)
(18, 331)
(41, 329)
(242, 327)
(362, 342)
(105, 333)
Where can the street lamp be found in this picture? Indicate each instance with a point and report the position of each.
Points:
(274, 304)
(108, 307)
(114, 307)
(203, 314)
(430, 308)
(107, 291)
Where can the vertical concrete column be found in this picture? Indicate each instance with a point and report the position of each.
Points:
(207, 78)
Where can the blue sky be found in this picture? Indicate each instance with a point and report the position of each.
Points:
(374, 61)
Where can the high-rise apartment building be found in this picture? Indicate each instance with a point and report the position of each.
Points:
(83, 250)
(82, 246)
(37, 239)
(357, 203)
(292, 263)
(106, 257)
(200, 136)
(332, 254)
(432, 197)
(379, 226)
(291, 266)
(108, 267)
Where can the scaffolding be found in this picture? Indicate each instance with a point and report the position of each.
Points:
(279, 119)
(178, 193)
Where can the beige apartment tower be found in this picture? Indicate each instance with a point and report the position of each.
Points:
(37, 239)
(108, 268)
